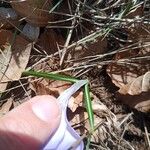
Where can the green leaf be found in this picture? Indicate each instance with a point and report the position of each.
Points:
(89, 105)
(53, 76)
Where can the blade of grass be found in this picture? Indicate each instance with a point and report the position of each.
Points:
(50, 76)
(89, 105)
(55, 6)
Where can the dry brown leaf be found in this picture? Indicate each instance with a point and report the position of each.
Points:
(94, 47)
(132, 77)
(49, 41)
(55, 88)
(140, 102)
(137, 93)
(137, 86)
(34, 12)
(76, 101)
(13, 59)
(6, 107)
(124, 72)
(50, 87)
(139, 35)
(3, 86)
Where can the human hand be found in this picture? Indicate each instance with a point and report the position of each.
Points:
(30, 125)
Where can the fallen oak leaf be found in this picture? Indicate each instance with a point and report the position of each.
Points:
(19, 51)
(49, 41)
(125, 69)
(137, 93)
(49, 87)
(3, 86)
(34, 12)
(14, 56)
(146, 82)
(128, 76)
(137, 86)
(140, 102)
(123, 73)
(96, 46)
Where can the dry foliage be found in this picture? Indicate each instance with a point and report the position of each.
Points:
(34, 12)
(137, 93)
(125, 69)
(95, 47)
(49, 41)
(128, 70)
(14, 56)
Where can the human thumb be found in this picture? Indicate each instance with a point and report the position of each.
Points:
(30, 125)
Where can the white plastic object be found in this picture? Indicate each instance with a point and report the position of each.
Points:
(31, 32)
(65, 136)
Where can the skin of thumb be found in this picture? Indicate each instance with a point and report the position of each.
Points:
(31, 124)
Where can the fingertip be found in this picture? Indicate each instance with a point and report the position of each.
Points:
(46, 108)
(36, 119)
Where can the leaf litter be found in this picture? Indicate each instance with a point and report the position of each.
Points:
(116, 123)
(14, 56)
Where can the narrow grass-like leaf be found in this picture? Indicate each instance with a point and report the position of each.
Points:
(55, 6)
(89, 105)
(50, 76)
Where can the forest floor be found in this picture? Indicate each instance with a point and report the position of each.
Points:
(106, 42)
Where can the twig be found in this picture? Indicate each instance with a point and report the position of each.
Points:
(147, 134)
(69, 36)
